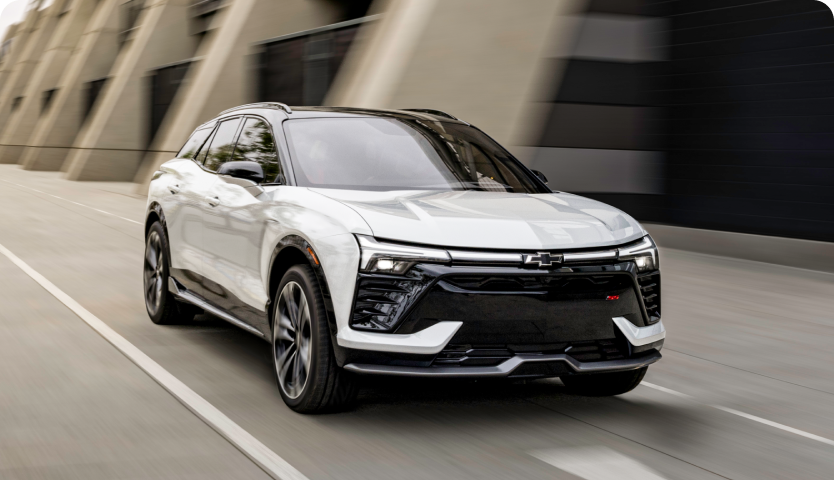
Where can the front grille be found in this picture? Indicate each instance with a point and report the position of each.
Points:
(559, 284)
(491, 355)
(650, 290)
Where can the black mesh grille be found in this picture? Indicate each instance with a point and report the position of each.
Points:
(382, 300)
(650, 290)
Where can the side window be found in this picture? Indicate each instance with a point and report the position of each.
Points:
(189, 150)
(256, 144)
(201, 157)
(222, 144)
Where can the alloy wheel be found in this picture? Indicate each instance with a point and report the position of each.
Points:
(154, 258)
(292, 340)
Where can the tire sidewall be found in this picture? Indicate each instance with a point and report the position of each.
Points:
(302, 276)
(157, 317)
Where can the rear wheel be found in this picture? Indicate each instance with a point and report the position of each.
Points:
(305, 367)
(161, 305)
(604, 384)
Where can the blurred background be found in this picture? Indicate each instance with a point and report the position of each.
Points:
(708, 120)
(699, 113)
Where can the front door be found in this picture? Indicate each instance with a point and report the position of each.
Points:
(234, 229)
(185, 190)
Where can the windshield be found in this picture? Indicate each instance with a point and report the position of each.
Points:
(396, 154)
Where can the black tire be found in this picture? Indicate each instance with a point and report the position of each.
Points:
(161, 305)
(604, 384)
(305, 367)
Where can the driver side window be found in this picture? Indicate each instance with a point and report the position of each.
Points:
(256, 144)
(222, 144)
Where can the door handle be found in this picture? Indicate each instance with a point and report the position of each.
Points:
(213, 201)
(175, 189)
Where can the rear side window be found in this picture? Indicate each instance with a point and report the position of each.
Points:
(256, 144)
(192, 146)
(222, 144)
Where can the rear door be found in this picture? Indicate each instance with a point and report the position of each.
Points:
(235, 227)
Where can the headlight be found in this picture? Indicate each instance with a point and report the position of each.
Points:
(644, 254)
(393, 258)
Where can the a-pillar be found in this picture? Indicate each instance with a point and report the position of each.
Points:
(111, 144)
(44, 79)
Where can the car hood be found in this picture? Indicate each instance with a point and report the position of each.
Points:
(490, 220)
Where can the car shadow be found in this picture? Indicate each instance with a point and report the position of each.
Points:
(411, 404)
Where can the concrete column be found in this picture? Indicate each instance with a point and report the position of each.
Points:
(45, 77)
(113, 142)
(21, 73)
(432, 54)
(222, 78)
(53, 135)
(21, 32)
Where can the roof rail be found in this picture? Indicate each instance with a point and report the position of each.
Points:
(275, 105)
(439, 113)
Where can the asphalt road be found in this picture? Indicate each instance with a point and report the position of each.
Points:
(745, 389)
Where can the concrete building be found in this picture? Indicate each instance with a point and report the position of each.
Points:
(677, 112)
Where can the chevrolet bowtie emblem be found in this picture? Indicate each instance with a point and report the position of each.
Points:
(543, 259)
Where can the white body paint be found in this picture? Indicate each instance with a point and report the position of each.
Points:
(226, 233)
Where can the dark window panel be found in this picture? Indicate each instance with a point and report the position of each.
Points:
(47, 99)
(764, 210)
(601, 127)
(773, 58)
(746, 13)
(754, 175)
(813, 106)
(94, 88)
(165, 83)
(684, 214)
(759, 43)
(754, 125)
(772, 158)
(753, 28)
(810, 194)
(300, 70)
(624, 7)
(613, 83)
(282, 73)
(688, 7)
(753, 76)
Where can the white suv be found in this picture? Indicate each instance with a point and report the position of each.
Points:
(396, 242)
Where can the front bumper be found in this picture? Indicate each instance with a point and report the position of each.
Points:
(554, 365)
(499, 321)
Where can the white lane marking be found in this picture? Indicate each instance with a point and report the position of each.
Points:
(76, 203)
(596, 463)
(761, 420)
(259, 453)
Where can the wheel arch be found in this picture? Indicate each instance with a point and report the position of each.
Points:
(290, 251)
(155, 214)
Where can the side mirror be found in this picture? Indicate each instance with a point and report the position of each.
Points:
(246, 170)
(541, 176)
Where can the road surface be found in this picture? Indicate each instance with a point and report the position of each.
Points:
(745, 389)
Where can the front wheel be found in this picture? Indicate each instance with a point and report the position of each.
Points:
(162, 307)
(305, 367)
(604, 384)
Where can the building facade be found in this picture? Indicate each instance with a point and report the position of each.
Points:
(708, 113)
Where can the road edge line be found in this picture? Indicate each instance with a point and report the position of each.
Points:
(269, 461)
